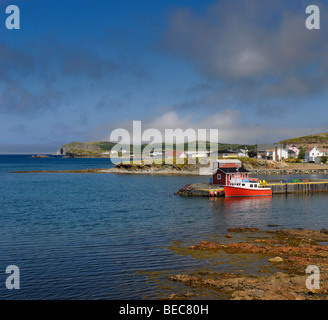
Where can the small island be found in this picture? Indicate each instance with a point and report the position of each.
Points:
(40, 156)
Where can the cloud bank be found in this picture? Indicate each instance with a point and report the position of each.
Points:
(230, 125)
(253, 48)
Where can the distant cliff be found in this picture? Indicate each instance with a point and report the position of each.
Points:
(85, 149)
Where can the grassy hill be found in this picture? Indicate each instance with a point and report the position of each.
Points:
(320, 139)
(96, 148)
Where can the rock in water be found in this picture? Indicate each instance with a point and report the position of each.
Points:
(324, 230)
(276, 260)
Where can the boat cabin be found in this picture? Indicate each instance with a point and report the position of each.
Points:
(245, 183)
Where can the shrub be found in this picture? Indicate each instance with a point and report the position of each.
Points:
(324, 159)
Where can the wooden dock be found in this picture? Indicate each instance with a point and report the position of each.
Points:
(216, 192)
(297, 187)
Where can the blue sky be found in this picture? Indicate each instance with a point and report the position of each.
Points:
(76, 70)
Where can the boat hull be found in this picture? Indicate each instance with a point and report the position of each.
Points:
(232, 191)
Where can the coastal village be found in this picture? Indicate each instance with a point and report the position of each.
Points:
(304, 155)
(229, 177)
(275, 152)
(227, 172)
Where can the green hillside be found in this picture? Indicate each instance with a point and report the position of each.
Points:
(320, 139)
(96, 148)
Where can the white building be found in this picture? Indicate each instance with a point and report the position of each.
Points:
(242, 153)
(314, 154)
(197, 154)
(175, 154)
(274, 152)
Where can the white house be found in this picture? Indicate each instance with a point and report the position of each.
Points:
(242, 153)
(275, 152)
(314, 154)
(175, 154)
(197, 154)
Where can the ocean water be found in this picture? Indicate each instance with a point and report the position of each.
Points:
(99, 236)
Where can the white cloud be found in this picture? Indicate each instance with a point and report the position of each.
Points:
(229, 123)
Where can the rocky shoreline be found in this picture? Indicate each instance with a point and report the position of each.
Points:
(176, 170)
(195, 170)
(159, 169)
(287, 252)
(200, 189)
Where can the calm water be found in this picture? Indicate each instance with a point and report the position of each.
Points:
(91, 236)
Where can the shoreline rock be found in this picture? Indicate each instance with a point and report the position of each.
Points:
(288, 253)
(167, 169)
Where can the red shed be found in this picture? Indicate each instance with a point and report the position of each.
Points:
(227, 171)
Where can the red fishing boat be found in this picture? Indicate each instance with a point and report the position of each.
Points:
(246, 188)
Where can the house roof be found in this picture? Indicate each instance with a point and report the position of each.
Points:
(230, 165)
(225, 161)
(320, 149)
(233, 170)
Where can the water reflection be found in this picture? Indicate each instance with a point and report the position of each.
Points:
(246, 202)
(242, 211)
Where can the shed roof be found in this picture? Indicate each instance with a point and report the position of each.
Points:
(233, 170)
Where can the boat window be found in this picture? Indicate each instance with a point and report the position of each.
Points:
(251, 186)
(243, 184)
